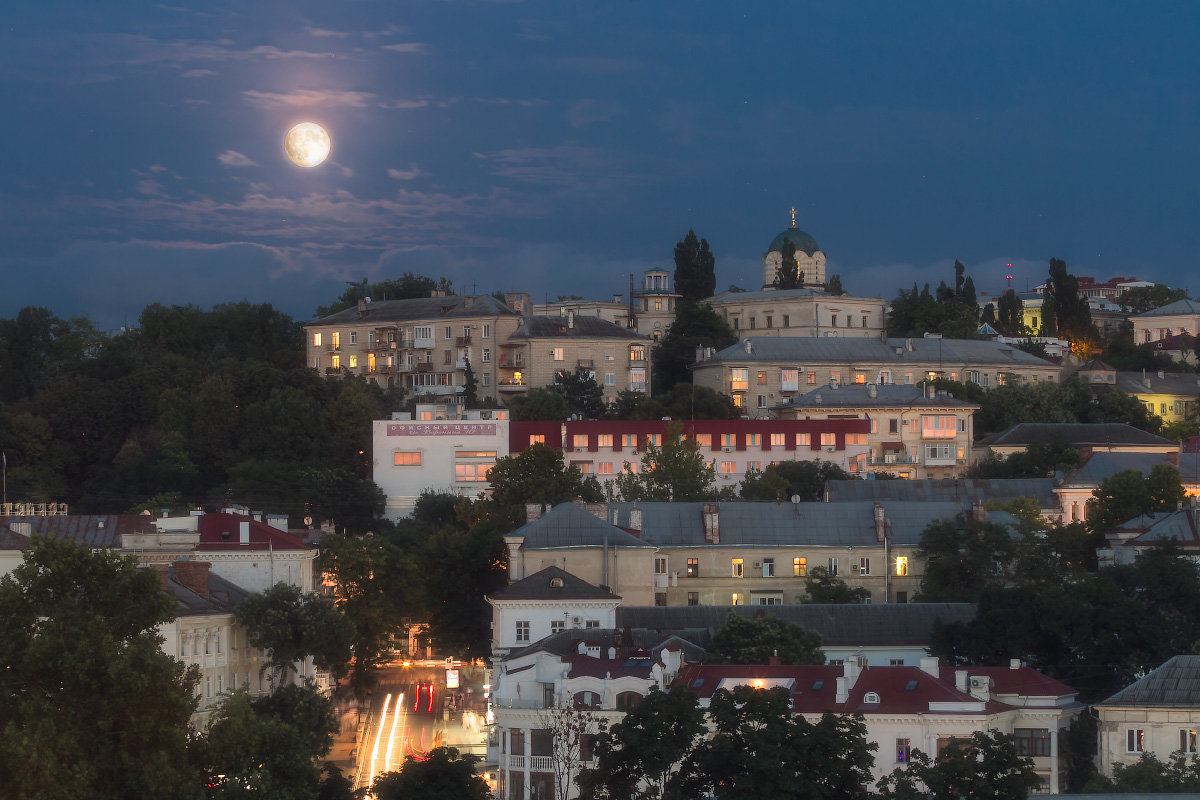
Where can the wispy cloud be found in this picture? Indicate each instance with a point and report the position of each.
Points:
(561, 165)
(596, 65)
(324, 33)
(232, 158)
(150, 187)
(309, 97)
(587, 112)
(404, 174)
(198, 73)
(416, 48)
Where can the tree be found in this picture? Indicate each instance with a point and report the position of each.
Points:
(1141, 299)
(760, 748)
(580, 390)
(470, 392)
(675, 472)
(986, 766)
(834, 286)
(683, 401)
(953, 312)
(756, 641)
(1149, 775)
(405, 287)
(823, 587)
(572, 733)
(1010, 313)
(963, 557)
(695, 275)
(291, 626)
(1069, 314)
(640, 757)
(540, 404)
(786, 479)
(788, 275)
(270, 746)
(1036, 461)
(538, 474)
(696, 325)
(92, 705)
(444, 775)
(1125, 495)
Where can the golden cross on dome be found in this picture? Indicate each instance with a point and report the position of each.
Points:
(793, 216)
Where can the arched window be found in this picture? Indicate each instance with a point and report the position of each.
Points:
(626, 701)
(871, 697)
(587, 700)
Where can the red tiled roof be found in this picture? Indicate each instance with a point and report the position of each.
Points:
(221, 532)
(1023, 681)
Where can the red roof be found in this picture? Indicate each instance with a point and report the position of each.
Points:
(222, 532)
(1022, 681)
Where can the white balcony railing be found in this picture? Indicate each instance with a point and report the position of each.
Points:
(516, 762)
(541, 762)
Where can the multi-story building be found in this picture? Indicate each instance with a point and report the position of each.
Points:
(422, 344)
(1157, 715)
(1089, 437)
(1075, 488)
(762, 372)
(606, 448)
(1172, 396)
(915, 431)
(801, 312)
(964, 491)
(918, 707)
(1180, 317)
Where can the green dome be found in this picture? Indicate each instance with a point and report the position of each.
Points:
(799, 239)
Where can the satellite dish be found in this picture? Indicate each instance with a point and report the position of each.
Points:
(308, 520)
(795, 499)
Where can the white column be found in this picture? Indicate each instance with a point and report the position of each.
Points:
(1054, 760)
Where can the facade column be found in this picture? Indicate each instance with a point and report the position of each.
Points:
(1054, 759)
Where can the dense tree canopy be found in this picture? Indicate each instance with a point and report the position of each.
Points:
(445, 775)
(403, 288)
(825, 588)
(538, 474)
(676, 471)
(291, 626)
(1141, 299)
(756, 641)
(695, 268)
(695, 325)
(1125, 495)
(984, 767)
(952, 311)
(787, 479)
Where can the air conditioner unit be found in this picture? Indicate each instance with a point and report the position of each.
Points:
(576, 621)
(758, 565)
(854, 567)
(728, 450)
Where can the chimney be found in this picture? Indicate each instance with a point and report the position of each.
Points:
(193, 575)
(961, 681)
(362, 307)
(516, 566)
(244, 531)
(872, 392)
(533, 512)
(843, 691)
(880, 523)
(1173, 458)
(712, 523)
(749, 345)
(978, 512)
(929, 665)
(571, 318)
(635, 519)
(851, 669)
(1014, 663)
(598, 510)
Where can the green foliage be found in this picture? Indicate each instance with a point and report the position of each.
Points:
(538, 474)
(1125, 495)
(823, 587)
(1123, 354)
(788, 275)
(834, 286)
(760, 748)
(470, 392)
(675, 472)
(444, 775)
(403, 288)
(583, 395)
(1070, 313)
(540, 404)
(695, 275)
(696, 325)
(983, 767)
(1180, 774)
(1078, 747)
(640, 756)
(683, 401)
(270, 746)
(291, 625)
(1141, 299)
(92, 705)
(1037, 461)
(954, 312)
(755, 641)
(1010, 313)
(782, 481)
(963, 558)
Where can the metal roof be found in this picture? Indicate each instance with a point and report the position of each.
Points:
(568, 525)
(90, 530)
(553, 583)
(1185, 383)
(583, 327)
(418, 309)
(1080, 433)
(1175, 684)
(888, 395)
(960, 490)
(1104, 465)
(1179, 307)
(816, 349)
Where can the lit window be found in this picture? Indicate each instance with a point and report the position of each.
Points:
(799, 567)
(762, 378)
(778, 439)
(605, 468)
(693, 568)
(728, 468)
(704, 440)
(754, 440)
(902, 750)
(789, 380)
(336, 337)
(828, 439)
(630, 469)
(860, 378)
(585, 467)
(737, 567)
(537, 438)
(1187, 741)
(471, 473)
(637, 352)
(337, 364)
(353, 359)
(317, 339)
(402, 459)
(558, 354)
(736, 598)
(604, 440)
(629, 440)
(812, 378)
(637, 380)
(1135, 740)
(579, 441)
(739, 380)
(727, 440)
(901, 565)
(803, 440)
(738, 400)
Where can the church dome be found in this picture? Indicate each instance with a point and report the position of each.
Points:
(799, 239)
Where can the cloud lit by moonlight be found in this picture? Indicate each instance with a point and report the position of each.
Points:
(307, 144)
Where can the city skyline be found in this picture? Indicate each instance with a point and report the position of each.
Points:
(557, 148)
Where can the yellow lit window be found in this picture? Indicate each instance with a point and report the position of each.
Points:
(579, 441)
(604, 440)
(317, 339)
(537, 438)
(799, 567)
(336, 361)
(704, 440)
(735, 599)
(828, 439)
(778, 439)
(403, 459)
(754, 440)
(803, 440)
(901, 565)
(737, 568)
(475, 454)
(471, 472)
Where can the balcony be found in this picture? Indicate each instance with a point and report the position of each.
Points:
(404, 367)
(460, 363)
(507, 362)
(941, 461)
(405, 344)
(541, 763)
(516, 762)
(423, 344)
(424, 366)
(586, 363)
(333, 347)
(512, 386)
(462, 341)
(891, 458)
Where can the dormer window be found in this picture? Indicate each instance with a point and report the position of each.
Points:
(556, 583)
(871, 697)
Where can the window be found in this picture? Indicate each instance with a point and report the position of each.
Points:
(1032, 741)
(336, 363)
(660, 566)
(557, 625)
(902, 748)
(1135, 740)
(629, 440)
(768, 568)
(739, 380)
(753, 440)
(728, 468)
(604, 440)
(737, 567)
(736, 598)
(317, 339)
(557, 354)
(610, 379)
(761, 378)
(336, 339)
(752, 323)
(901, 565)
(828, 439)
(769, 321)
(487, 330)
(1187, 741)
(654, 439)
(605, 468)
(833, 566)
(585, 467)
(786, 320)
(799, 567)
(885, 378)
(403, 459)
(516, 742)
(627, 701)
(789, 380)
(864, 321)
(938, 426)
(901, 597)
(833, 317)
(353, 337)
(693, 568)
(860, 379)
(637, 380)
(537, 438)
(637, 352)
(770, 600)
(579, 441)
(486, 356)
(423, 332)
(871, 697)
(704, 440)
(353, 359)
(522, 631)
(728, 440)
(693, 598)
(893, 425)
(896, 662)
(472, 473)
(487, 378)
(803, 440)
(812, 379)
(864, 566)
(446, 357)
(592, 623)
(835, 379)
(778, 440)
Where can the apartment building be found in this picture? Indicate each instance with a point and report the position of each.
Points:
(801, 312)
(915, 431)
(650, 310)
(1159, 715)
(1172, 396)
(1178, 318)
(606, 448)
(762, 372)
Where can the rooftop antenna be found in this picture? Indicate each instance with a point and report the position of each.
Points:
(1008, 277)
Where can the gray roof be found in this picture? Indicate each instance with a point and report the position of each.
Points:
(888, 395)
(1184, 306)
(1185, 383)
(223, 596)
(1098, 434)
(841, 625)
(584, 327)
(1176, 684)
(568, 525)
(817, 349)
(959, 490)
(90, 530)
(765, 294)
(542, 586)
(1179, 526)
(565, 643)
(849, 524)
(383, 312)
(1104, 465)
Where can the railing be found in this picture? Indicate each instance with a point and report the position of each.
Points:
(404, 367)
(423, 344)
(517, 703)
(541, 762)
(940, 461)
(333, 348)
(896, 459)
(516, 762)
(404, 344)
(462, 341)
(424, 366)
(460, 363)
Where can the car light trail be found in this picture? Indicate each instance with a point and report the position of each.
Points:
(387, 759)
(378, 735)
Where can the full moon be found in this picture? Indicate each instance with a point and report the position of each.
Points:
(307, 144)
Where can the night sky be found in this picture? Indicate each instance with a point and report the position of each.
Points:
(555, 147)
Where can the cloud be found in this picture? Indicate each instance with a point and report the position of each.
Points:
(232, 158)
(586, 112)
(324, 33)
(416, 48)
(404, 175)
(309, 97)
(137, 50)
(404, 104)
(149, 187)
(561, 165)
(198, 73)
(157, 168)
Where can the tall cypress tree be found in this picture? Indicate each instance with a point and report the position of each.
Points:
(695, 268)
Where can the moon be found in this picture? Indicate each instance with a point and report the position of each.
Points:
(307, 144)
